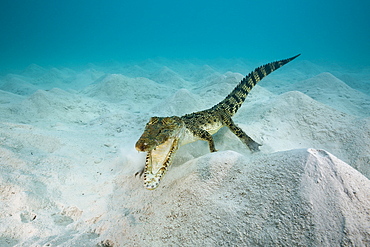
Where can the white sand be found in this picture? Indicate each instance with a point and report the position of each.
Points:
(67, 158)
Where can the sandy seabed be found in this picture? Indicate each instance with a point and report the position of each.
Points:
(67, 157)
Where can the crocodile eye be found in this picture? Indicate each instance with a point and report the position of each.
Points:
(153, 120)
(163, 131)
(166, 120)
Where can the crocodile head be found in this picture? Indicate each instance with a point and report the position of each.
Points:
(160, 140)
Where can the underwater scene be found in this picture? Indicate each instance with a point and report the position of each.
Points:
(189, 123)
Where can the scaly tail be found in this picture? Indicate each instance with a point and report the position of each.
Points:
(235, 99)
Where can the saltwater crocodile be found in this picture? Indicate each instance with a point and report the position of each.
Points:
(164, 135)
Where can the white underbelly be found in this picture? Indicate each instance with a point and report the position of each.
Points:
(189, 137)
(212, 129)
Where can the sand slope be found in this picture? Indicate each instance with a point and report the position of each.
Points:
(297, 197)
(331, 91)
(67, 159)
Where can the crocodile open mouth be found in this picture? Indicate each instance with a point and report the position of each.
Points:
(157, 162)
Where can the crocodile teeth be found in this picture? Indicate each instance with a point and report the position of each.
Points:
(157, 162)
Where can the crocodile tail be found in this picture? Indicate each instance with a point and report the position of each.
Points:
(235, 99)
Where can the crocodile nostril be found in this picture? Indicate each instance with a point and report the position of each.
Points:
(141, 146)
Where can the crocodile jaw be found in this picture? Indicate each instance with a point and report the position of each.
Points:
(157, 162)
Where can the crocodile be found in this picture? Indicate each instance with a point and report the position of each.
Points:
(164, 135)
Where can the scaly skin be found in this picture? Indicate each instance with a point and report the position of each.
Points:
(164, 135)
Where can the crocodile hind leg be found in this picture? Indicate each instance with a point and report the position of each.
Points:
(252, 145)
(205, 136)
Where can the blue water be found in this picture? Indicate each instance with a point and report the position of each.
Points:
(65, 33)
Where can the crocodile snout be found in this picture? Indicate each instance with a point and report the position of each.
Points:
(141, 146)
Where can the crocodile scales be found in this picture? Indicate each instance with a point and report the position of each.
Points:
(164, 135)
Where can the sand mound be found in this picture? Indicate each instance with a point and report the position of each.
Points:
(118, 88)
(358, 81)
(202, 73)
(34, 70)
(305, 68)
(294, 120)
(180, 103)
(297, 197)
(84, 78)
(167, 76)
(54, 78)
(134, 71)
(226, 198)
(57, 105)
(331, 91)
(18, 85)
(218, 85)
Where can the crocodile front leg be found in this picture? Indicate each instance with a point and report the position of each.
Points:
(205, 136)
(252, 145)
(140, 173)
